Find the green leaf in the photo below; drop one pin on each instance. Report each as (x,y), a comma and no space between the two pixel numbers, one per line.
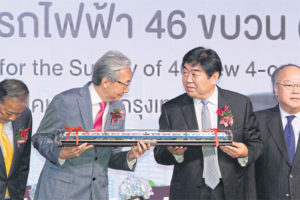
(154,184)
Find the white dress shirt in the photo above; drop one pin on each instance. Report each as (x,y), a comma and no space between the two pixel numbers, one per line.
(212,107)
(95,99)
(295,124)
(95,105)
(8,129)
(96,108)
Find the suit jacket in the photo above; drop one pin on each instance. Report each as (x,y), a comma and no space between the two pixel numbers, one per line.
(179,114)
(276,176)
(81,177)
(18,174)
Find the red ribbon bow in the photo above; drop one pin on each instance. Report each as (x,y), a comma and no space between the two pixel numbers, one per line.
(76,129)
(215,130)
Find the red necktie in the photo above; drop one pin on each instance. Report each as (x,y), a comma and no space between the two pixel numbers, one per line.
(99,117)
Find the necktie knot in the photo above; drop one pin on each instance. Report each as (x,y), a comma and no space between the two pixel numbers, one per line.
(204,102)
(102,105)
(99,117)
(290,118)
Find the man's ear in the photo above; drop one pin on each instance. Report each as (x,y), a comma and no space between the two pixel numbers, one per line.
(105,82)
(275,90)
(215,77)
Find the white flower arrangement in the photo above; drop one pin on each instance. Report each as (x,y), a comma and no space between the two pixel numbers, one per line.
(32,191)
(135,187)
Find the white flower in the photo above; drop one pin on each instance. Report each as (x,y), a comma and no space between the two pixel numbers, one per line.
(134,186)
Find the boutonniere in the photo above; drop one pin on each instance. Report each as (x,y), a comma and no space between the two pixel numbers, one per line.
(117,114)
(22,136)
(226,116)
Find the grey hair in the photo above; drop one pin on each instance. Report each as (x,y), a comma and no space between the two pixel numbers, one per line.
(13,89)
(108,65)
(274,76)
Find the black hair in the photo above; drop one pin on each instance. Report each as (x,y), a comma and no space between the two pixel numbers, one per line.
(208,59)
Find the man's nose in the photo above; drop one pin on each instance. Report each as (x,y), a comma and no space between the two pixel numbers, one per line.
(127,89)
(296,89)
(189,77)
(12,117)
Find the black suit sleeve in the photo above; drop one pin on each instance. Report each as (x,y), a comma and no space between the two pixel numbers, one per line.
(161,153)
(251,135)
(23,166)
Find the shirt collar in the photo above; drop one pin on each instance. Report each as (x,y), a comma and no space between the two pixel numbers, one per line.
(213,99)
(283,113)
(8,124)
(94,95)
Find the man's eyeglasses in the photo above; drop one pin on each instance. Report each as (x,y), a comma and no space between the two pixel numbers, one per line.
(290,86)
(123,84)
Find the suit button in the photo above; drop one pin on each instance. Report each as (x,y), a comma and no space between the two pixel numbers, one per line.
(94,179)
(287,195)
(291,175)
(96,158)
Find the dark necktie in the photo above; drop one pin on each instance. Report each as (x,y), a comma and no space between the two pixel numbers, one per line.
(289,137)
(211,166)
(99,117)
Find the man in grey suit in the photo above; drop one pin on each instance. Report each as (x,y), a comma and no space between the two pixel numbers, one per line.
(278,168)
(80,172)
(208,172)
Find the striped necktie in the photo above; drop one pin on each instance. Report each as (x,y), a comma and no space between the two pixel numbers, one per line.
(211,165)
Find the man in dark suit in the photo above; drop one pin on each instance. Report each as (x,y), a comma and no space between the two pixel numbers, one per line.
(80,172)
(15,139)
(278,168)
(194,175)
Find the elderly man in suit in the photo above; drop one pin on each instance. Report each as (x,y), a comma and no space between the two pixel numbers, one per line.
(278,168)
(208,172)
(80,172)
(15,139)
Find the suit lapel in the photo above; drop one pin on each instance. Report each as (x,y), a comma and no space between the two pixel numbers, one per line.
(85,107)
(15,125)
(108,125)
(296,159)
(188,111)
(276,129)
(221,102)
(2,166)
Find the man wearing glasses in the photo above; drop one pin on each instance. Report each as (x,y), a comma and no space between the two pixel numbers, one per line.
(80,172)
(15,139)
(207,172)
(278,168)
